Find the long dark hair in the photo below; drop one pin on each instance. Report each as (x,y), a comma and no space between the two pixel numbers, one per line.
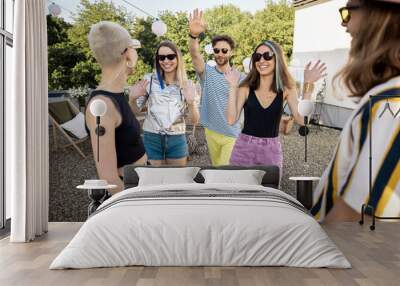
(375,51)
(282,78)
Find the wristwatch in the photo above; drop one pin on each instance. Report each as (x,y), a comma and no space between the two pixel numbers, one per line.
(201,36)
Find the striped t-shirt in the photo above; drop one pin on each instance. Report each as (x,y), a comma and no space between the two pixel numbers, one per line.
(214,102)
(347,175)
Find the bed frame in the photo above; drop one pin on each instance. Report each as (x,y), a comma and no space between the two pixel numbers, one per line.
(270,179)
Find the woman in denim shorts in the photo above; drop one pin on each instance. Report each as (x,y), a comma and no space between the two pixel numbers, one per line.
(169,95)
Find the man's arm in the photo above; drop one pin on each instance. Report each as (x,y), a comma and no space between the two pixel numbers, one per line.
(197,58)
(197,26)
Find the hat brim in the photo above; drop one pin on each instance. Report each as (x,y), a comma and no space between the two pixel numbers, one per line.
(135,44)
(391,1)
(88,187)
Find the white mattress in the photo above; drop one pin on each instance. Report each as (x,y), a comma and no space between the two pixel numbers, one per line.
(202,231)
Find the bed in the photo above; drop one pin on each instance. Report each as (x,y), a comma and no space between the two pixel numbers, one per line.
(201,224)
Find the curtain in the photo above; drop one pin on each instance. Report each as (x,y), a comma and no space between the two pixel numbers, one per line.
(27,124)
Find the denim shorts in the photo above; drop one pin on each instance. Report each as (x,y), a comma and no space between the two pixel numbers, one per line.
(162,146)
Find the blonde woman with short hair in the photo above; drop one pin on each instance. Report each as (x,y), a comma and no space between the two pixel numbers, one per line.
(121,143)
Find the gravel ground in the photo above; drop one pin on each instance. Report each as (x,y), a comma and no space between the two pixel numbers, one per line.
(68,169)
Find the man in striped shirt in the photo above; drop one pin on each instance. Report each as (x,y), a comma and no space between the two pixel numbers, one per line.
(220,135)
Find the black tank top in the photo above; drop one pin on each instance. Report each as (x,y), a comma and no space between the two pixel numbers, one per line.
(259,121)
(128,143)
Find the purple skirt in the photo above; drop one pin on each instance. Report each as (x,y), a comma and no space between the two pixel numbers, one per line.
(251,150)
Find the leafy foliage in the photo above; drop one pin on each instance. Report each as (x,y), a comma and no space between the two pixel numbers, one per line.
(71,63)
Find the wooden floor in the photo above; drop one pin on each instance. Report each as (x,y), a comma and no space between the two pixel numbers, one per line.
(375,257)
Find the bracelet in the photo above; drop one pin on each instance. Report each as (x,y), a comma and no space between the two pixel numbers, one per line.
(308,87)
(200,37)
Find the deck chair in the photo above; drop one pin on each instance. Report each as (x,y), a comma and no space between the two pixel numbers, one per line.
(61,111)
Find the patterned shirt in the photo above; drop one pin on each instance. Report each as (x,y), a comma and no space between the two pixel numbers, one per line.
(165,108)
(347,175)
(214,103)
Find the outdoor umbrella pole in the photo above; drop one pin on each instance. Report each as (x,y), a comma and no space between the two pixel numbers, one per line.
(305,139)
(98,137)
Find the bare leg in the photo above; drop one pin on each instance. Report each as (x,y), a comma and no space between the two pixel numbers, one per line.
(157,162)
(141,161)
(177,162)
(341,212)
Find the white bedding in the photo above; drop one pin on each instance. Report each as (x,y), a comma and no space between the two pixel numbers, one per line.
(183,231)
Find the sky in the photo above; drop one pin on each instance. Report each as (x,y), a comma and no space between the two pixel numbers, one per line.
(153,7)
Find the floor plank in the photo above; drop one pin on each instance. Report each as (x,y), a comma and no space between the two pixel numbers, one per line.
(374,255)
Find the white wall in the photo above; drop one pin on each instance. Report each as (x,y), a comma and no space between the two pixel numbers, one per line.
(318,34)
(318,28)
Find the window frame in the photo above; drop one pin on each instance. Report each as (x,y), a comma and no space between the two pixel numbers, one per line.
(6,39)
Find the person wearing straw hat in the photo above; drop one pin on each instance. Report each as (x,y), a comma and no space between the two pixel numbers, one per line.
(121,143)
(373,69)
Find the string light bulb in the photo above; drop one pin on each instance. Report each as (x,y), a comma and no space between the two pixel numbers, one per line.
(247,64)
(208,49)
(54,9)
(159,28)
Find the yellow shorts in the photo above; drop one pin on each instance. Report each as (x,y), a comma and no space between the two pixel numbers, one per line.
(219,147)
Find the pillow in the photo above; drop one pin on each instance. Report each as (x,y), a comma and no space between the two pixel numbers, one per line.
(248,177)
(76,126)
(166,176)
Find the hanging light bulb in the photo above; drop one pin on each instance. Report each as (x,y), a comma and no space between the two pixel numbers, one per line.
(305,107)
(209,49)
(54,9)
(159,28)
(211,63)
(247,64)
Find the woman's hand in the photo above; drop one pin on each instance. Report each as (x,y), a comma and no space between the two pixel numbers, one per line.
(138,90)
(315,73)
(232,77)
(197,24)
(189,92)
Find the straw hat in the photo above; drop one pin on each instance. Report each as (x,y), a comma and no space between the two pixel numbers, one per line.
(391,1)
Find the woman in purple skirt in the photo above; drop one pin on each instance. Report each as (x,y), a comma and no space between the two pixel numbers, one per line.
(262,94)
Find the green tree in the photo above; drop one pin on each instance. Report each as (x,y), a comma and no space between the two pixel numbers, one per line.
(221,19)
(62,58)
(276,22)
(149,41)
(71,62)
(57,30)
(92,13)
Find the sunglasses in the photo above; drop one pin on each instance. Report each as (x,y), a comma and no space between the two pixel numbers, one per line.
(267,56)
(224,51)
(162,58)
(345,13)
(124,51)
